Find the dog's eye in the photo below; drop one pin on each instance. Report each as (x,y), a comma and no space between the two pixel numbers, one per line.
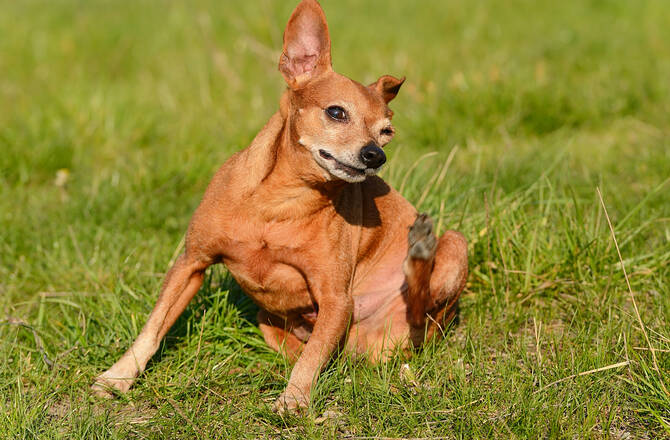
(388,131)
(336,112)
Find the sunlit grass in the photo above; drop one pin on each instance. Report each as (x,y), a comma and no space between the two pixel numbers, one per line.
(115,115)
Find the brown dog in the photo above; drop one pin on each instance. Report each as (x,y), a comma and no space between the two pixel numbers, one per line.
(331,254)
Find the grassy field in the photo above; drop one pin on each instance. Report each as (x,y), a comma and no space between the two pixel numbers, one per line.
(115,115)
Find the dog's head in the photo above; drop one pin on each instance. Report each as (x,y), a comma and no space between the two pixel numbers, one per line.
(342,123)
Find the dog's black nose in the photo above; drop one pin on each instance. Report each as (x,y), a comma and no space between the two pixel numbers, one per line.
(372,156)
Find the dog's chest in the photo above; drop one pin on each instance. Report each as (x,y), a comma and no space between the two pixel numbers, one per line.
(265,259)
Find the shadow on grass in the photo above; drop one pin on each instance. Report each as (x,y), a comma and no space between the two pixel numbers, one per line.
(219,292)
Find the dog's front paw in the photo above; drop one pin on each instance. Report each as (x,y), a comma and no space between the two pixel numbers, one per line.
(422,240)
(106,385)
(291,403)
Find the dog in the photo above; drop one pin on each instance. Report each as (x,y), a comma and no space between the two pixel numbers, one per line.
(333,257)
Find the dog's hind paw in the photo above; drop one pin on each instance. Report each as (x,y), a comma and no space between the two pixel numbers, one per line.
(422,240)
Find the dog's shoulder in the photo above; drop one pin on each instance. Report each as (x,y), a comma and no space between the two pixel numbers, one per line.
(247,168)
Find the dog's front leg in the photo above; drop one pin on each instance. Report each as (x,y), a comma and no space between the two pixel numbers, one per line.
(181,284)
(331,325)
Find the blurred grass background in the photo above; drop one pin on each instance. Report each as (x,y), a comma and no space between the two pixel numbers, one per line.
(115,115)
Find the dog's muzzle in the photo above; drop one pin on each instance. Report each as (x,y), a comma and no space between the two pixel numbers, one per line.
(372,156)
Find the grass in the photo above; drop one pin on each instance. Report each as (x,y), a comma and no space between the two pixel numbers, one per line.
(114,116)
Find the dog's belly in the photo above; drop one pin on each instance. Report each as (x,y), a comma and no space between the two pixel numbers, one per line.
(377,291)
(380,310)
(380,314)
(378,281)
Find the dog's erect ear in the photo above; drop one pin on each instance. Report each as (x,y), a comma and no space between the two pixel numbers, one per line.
(387,86)
(306,52)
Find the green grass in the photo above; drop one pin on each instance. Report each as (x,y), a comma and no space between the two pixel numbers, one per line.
(538,103)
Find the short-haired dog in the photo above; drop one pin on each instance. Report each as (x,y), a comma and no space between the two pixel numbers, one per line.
(331,254)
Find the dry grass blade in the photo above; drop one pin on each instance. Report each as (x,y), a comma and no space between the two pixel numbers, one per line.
(630,290)
(64,294)
(177,251)
(583,373)
(401,189)
(197,352)
(437,178)
(38,341)
(660,350)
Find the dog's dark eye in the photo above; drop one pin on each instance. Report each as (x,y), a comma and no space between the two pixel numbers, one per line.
(388,131)
(336,112)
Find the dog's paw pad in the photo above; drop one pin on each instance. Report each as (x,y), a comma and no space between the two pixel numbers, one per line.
(422,240)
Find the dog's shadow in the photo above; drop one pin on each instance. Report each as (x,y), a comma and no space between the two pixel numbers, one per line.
(218,286)
(364,194)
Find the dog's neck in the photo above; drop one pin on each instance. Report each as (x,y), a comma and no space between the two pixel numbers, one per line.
(293,184)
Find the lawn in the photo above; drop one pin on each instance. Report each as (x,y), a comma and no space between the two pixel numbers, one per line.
(115,115)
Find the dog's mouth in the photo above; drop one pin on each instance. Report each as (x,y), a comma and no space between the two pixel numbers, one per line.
(348,169)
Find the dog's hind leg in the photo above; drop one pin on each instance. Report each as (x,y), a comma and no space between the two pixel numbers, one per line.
(181,284)
(418,267)
(450,271)
(436,271)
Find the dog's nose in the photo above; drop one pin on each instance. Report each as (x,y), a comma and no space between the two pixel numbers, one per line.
(372,156)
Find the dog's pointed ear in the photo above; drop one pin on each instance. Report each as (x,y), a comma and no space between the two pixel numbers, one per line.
(306,52)
(387,86)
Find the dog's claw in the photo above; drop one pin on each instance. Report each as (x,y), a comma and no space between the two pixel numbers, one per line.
(289,403)
(422,240)
(101,390)
(106,387)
